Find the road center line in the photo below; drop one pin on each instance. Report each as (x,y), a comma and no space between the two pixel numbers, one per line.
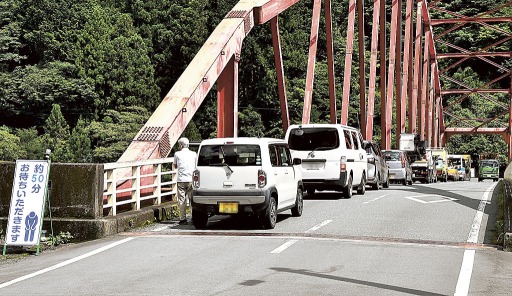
(375,199)
(316,227)
(466,269)
(67,262)
(284,246)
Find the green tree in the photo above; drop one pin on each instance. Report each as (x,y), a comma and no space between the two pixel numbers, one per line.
(56,135)
(111,136)
(113,57)
(9,36)
(29,92)
(33,145)
(80,143)
(10,148)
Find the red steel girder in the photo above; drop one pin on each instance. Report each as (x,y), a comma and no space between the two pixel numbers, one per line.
(166,124)
(418,53)
(474,54)
(408,58)
(474,90)
(470,20)
(348,62)
(482,130)
(310,75)
(227,100)
(394,65)
(373,69)
(281,83)
(469,88)
(362,75)
(330,61)
(431,5)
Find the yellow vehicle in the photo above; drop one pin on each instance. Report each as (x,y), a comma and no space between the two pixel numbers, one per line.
(459,167)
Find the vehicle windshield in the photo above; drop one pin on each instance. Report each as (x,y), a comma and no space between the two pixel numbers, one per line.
(392,156)
(488,163)
(309,139)
(454,162)
(232,155)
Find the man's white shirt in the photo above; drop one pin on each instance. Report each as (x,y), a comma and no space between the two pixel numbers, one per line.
(185,161)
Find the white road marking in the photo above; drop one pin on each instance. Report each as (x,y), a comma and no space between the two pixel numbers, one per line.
(316,227)
(466,269)
(375,199)
(284,246)
(292,241)
(444,198)
(67,262)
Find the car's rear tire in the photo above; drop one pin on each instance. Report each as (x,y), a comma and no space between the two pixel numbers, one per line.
(199,219)
(362,186)
(269,217)
(405,181)
(299,204)
(386,184)
(347,191)
(376,185)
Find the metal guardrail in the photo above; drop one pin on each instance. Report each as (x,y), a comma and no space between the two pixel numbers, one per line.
(507,206)
(130,183)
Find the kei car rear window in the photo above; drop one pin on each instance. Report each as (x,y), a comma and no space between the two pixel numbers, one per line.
(392,156)
(230,154)
(308,139)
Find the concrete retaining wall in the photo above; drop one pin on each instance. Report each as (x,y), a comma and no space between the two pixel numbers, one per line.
(76,199)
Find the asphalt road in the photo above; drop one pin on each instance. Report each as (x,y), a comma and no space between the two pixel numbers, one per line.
(424,239)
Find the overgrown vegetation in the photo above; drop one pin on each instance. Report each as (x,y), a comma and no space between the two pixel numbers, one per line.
(84,78)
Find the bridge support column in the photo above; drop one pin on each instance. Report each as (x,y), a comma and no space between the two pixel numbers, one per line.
(281,84)
(227,99)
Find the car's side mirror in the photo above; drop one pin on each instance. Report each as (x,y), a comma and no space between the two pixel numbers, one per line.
(297,161)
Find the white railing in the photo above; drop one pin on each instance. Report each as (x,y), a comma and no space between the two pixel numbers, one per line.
(133,182)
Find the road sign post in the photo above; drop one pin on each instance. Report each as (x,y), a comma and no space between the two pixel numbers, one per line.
(28,199)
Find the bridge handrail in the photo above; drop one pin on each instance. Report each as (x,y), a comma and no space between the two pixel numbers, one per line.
(134,181)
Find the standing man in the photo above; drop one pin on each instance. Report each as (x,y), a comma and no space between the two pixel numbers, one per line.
(184,162)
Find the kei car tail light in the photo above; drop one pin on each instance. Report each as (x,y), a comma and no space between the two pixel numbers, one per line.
(343,164)
(195,179)
(403,161)
(262,178)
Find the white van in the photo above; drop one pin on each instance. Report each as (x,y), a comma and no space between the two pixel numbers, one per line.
(333,157)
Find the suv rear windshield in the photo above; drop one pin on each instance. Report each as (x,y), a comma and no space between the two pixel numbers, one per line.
(232,155)
(307,139)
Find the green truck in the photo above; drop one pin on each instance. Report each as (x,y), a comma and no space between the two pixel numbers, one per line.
(488,169)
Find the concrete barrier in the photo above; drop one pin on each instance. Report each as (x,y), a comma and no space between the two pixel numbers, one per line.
(76,200)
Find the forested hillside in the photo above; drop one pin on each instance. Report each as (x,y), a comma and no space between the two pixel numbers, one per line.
(82,77)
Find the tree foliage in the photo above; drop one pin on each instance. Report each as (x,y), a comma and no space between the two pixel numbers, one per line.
(82,77)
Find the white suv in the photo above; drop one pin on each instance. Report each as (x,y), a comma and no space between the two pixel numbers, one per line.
(245,175)
(333,157)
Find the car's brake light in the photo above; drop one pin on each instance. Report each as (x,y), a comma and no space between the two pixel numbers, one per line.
(403,161)
(343,164)
(262,178)
(195,179)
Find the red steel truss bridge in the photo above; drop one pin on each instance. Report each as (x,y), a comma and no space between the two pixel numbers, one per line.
(417,79)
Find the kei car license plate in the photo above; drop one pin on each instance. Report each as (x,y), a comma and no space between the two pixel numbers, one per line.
(228,207)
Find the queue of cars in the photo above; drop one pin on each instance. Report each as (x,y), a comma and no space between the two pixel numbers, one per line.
(265,176)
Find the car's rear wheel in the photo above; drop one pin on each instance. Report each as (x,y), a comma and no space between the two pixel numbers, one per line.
(269,217)
(199,219)
(405,181)
(299,204)
(376,185)
(386,183)
(347,191)
(362,186)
